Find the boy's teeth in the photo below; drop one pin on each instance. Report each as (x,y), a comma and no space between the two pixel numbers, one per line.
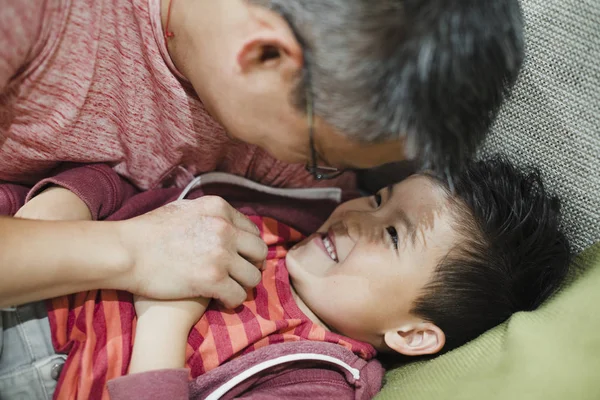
(330,248)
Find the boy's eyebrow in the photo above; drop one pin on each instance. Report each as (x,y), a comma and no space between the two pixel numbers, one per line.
(408,224)
(390,190)
(410,227)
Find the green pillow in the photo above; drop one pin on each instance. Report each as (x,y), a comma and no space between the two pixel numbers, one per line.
(551,353)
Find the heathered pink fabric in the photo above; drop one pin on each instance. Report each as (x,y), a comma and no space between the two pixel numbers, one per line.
(91,81)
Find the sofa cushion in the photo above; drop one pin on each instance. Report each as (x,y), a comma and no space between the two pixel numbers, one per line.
(551,353)
(553,118)
(552,121)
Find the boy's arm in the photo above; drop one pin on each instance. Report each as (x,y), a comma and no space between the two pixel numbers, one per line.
(86,192)
(55,204)
(156,370)
(162,332)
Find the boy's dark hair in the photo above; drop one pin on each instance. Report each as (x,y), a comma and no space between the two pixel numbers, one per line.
(432,71)
(512,256)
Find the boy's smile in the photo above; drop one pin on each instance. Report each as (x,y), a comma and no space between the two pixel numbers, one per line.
(326,242)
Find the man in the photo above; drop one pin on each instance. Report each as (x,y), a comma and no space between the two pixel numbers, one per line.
(164,90)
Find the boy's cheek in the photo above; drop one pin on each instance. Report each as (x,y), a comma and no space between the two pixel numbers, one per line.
(348,313)
(360,204)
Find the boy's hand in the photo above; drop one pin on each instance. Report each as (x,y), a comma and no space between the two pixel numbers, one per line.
(55,204)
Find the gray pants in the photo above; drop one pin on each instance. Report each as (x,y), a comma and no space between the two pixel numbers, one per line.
(29,367)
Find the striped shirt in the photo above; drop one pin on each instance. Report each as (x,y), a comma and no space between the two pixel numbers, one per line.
(97,328)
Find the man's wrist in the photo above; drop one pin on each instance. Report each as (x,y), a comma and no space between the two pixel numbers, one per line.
(124,276)
(68,257)
(102,251)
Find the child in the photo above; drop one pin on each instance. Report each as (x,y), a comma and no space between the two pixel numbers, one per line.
(414,270)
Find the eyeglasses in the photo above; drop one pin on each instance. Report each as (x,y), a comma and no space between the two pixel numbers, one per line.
(320,173)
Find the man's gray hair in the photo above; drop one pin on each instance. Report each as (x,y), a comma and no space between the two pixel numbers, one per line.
(434,72)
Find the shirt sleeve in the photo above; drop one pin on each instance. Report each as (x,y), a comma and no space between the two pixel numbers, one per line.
(20,24)
(169,384)
(97,185)
(12,198)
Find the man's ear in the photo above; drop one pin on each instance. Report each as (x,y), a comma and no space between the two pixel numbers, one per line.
(271,43)
(416,339)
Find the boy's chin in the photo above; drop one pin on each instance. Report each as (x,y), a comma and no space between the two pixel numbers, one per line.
(300,267)
(309,261)
(302,252)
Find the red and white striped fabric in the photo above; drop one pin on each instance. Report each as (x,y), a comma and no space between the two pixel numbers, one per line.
(97,328)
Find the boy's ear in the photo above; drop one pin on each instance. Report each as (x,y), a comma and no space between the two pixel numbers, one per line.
(271,43)
(416,339)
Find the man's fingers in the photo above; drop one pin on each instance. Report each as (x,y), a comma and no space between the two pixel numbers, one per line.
(242,222)
(244,273)
(251,247)
(230,293)
(218,207)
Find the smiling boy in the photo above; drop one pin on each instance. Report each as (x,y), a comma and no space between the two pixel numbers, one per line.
(372,260)
(414,270)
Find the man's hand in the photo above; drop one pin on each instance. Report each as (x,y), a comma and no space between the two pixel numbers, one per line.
(193,248)
(55,204)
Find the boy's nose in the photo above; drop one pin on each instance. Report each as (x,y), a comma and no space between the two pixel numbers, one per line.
(360,225)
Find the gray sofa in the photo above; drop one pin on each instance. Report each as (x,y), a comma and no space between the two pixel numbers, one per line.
(553,119)
(553,122)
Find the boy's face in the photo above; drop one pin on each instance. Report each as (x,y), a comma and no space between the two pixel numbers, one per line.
(363,270)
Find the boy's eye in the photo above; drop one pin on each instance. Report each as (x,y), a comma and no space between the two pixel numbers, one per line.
(394,235)
(378,199)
